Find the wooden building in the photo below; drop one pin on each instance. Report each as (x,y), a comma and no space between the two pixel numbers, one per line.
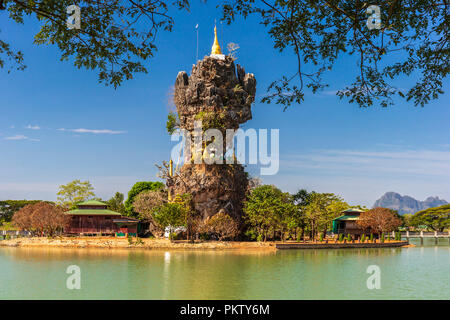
(346,223)
(93,218)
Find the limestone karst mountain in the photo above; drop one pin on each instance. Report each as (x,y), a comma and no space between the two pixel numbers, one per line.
(407,204)
(220,95)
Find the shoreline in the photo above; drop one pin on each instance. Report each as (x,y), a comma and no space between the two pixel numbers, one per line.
(122,243)
(164,244)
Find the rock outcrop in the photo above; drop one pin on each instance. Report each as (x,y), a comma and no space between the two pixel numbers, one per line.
(220,95)
(214,90)
(407,204)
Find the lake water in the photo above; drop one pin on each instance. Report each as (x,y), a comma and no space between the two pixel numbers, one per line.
(422,272)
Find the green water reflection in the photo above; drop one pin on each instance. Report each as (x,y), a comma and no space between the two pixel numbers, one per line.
(421,272)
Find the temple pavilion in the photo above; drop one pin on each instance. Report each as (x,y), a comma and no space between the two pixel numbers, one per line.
(346,223)
(93,218)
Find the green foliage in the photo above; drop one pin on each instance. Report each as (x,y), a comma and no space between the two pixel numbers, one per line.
(319,32)
(268,208)
(320,209)
(321,237)
(173,236)
(406,219)
(302,197)
(116,203)
(371,237)
(115,36)
(172,122)
(363,238)
(251,234)
(349,237)
(341,237)
(170,215)
(130,240)
(6,226)
(15,57)
(74,192)
(238,88)
(137,189)
(211,120)
(437,219)
(382,237)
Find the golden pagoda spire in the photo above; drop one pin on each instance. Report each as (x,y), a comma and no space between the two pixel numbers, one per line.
(216,47)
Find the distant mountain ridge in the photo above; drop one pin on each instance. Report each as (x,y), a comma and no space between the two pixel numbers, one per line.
(407,204)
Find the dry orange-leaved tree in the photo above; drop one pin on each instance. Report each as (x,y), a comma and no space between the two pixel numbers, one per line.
(379,220)
(42,219)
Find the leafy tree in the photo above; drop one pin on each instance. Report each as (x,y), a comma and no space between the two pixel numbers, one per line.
(116,203)
(73,192)
(137,189)
(407,217)
(172,123)
(301,200)
(9,207)
(192,217)
(41,218)
(171,215)
(320,210)
(379,220)
(413,37)
(302,197)
(116,37)
(268,208)
(289,218)
(437,218)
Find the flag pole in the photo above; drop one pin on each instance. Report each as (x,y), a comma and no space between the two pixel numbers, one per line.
(196,28)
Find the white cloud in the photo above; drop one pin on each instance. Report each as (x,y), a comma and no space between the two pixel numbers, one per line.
(20,137)
(35,127)
(94,131)
(413,162)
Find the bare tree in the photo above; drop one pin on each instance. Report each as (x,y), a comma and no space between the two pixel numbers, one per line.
(232,50)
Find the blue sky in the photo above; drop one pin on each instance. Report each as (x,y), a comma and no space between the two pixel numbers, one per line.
(326,144)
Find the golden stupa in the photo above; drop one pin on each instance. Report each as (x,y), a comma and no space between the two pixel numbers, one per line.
(216,47)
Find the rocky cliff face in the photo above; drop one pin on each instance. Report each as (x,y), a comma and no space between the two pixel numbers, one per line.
(407,204)
(220,95)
